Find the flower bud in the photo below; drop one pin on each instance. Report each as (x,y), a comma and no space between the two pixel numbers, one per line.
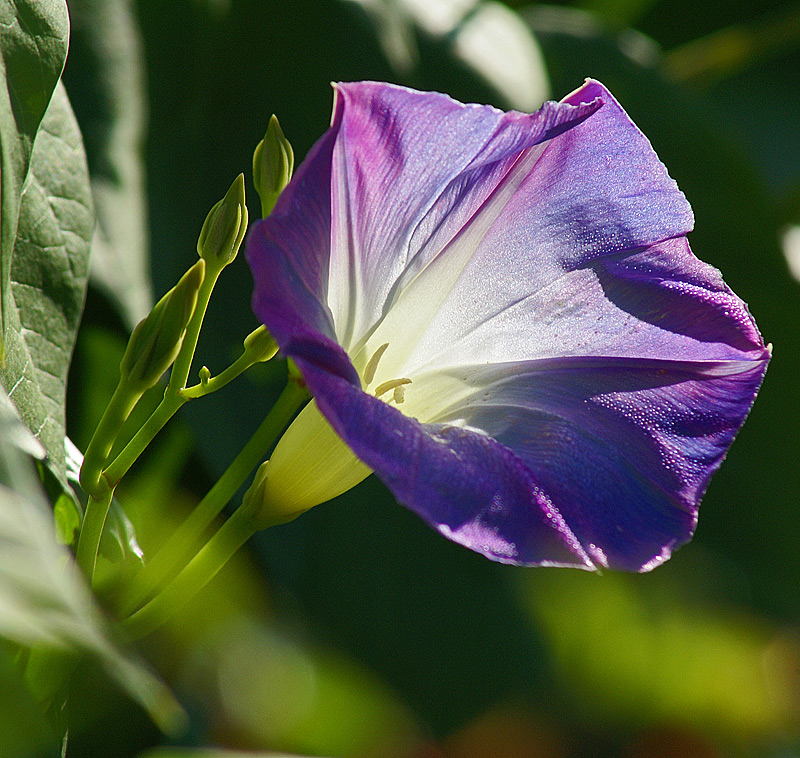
(157,338)
(273,163)
(310,465)
(224,227)
(260,345)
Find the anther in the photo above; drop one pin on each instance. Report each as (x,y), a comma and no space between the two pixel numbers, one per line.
(372,364)
(392,384)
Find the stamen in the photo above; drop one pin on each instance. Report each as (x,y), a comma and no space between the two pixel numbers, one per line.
(372,364)
(399,394)
(390,385)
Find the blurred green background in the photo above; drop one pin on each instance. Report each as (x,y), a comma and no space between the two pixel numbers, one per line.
(356,631)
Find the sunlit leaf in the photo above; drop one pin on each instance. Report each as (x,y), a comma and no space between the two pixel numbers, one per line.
(281,692)
(48,278)
(33,48)
(791,250)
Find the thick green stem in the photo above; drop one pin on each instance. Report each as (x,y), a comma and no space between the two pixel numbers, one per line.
(200,570)
(115,415)
(186,538)
(94,520)
(131,452)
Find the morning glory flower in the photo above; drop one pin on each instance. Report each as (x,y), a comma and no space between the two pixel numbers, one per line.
(499,314)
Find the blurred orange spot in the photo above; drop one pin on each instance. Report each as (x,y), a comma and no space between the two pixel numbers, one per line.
(506,731)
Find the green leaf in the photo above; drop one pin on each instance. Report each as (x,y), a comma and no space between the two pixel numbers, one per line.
(48,278)
(33,47)
(105,82)
(17,434)
(649,650)
(44,601)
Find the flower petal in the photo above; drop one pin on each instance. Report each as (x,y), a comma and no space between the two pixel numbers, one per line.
(471,488)
(596,190)
(656,302)
(288,254)
(623,448)
(571,374)
(377,198)
(402,163)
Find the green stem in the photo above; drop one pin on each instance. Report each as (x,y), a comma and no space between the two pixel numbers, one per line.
(239,366)
(200,570)
(94,520)
(175,395)
(186,537)
(115,415)
(131,452)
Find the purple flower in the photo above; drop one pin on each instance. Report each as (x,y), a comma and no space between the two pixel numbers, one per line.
(500,315)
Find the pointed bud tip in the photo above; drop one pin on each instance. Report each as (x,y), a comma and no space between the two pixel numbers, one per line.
(224,227)
(273,164)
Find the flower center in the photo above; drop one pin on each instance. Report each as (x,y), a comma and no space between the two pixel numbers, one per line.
(397,386)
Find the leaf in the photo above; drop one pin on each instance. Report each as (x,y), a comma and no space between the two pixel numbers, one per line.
(48,278)
(44,601)
(654,652)
(105,80)
(15,430)
(33,48)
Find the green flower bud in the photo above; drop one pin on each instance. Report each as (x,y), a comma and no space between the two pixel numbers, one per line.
(260,345)
(157,338)
(224,227)
(273,163)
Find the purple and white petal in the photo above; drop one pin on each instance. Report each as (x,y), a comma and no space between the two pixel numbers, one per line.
(408,170)
(465,484)
(622,448)
(596,190)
